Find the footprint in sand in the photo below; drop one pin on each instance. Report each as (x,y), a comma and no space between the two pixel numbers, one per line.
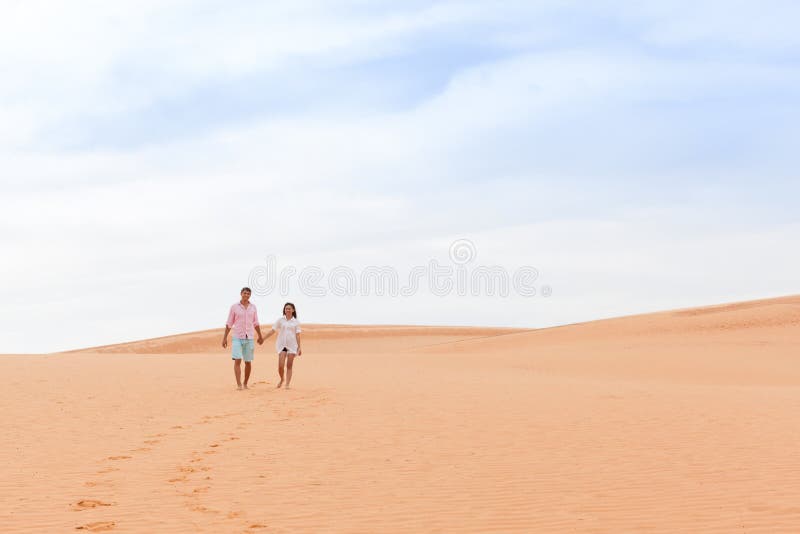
(152,441)
(204,509)
(99,526)
(257,525)
(118,458)
(107,470)
(88,503)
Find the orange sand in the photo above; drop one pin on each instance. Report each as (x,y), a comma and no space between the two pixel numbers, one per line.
(676,421)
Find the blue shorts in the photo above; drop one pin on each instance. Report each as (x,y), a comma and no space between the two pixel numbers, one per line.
(243,349)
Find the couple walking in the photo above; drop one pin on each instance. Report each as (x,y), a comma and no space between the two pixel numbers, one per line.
(243,320)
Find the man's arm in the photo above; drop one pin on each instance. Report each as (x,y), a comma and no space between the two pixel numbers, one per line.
(228,324)
(260,337)
(225,337)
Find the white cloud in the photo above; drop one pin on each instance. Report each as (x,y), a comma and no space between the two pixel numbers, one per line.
(755,28)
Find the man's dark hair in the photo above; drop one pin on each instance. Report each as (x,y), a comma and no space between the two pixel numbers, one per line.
(245,289)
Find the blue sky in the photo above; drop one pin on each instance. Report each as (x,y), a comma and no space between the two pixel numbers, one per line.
(641,157)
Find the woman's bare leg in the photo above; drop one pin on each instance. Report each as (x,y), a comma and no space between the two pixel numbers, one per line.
(281,359)
(289,364)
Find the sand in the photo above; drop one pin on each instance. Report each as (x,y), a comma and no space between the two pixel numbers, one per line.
(676,421)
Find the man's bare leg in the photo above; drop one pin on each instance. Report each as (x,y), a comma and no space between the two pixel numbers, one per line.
(281,359)
(247,367)
(237,371)
(289,364)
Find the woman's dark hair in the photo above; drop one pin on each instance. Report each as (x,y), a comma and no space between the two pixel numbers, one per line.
(294,310)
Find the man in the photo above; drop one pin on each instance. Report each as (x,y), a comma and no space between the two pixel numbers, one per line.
(243,319)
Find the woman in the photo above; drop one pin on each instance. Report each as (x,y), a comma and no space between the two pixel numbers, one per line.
(288,342)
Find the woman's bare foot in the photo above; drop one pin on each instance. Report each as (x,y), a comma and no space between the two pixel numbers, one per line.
(288,387)
(239,386)
(245,387)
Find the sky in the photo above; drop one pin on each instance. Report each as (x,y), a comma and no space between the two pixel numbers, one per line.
(156,156)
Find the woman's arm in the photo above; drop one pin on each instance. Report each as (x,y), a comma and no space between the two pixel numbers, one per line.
(299,349)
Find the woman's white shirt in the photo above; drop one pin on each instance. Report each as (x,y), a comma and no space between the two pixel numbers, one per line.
(287,331)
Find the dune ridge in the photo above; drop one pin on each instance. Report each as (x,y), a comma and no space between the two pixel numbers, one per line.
(774,312)
(317,337)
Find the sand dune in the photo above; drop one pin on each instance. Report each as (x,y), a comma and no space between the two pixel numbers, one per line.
(317,338)
(676,421)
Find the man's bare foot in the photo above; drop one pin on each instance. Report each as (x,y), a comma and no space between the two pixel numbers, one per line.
(287,387)
(239,386)
(279,384)
(245,387)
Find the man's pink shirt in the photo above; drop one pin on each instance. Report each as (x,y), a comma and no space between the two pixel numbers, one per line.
(243,320)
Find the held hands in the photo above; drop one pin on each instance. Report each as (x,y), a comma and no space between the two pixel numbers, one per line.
(260,340)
